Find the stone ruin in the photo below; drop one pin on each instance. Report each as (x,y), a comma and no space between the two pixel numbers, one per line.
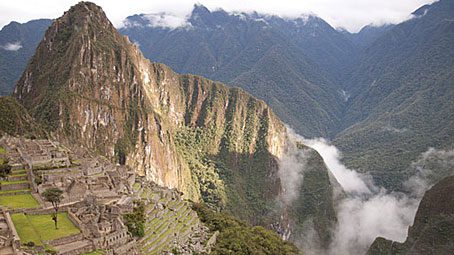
(96,195)
(102,223)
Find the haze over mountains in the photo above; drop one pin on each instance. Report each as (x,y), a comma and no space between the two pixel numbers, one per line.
(383,96)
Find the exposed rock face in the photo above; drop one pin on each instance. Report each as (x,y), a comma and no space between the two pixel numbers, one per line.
(433,229)
(91,87)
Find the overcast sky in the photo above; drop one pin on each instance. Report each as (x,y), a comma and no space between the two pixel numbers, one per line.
(349,14)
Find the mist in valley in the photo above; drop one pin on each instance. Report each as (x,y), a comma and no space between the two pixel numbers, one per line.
(364,210)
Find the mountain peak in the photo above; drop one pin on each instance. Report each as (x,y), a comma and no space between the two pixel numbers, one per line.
(84,13)
(200,9)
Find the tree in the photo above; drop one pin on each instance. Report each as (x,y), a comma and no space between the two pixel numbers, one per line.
(5,168)
(54,195)
(135,221)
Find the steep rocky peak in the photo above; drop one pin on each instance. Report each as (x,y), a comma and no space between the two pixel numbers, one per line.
(202,17)
(200,9)
(84,18)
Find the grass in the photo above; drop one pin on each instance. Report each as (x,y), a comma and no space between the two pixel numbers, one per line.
(46,229)
(17,174)
(12,182)
(21,201)
(39,228)
(19,171)
(3,192)
(25,230)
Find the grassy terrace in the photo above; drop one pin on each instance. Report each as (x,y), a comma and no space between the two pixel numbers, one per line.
(5,192)
(21,201)
(19,171)
(17,174)
(12,182)
(160,231)
(39,228)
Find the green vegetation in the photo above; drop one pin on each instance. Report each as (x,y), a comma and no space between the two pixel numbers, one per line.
(12,182)
(25,229)
(39,228)
(5,168)
(193,144)
(19,171)
(54,195)
(21,201)
(135,221)
(3,192)
(315,203)
(15,120)
(237,237)
(2,150)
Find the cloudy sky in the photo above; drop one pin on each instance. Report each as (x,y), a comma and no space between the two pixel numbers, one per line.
(349,14)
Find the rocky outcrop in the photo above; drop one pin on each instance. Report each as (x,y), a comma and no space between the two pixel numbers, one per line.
(91,87)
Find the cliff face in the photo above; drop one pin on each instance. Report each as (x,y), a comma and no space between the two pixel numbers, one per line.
(433,229)
(91,87)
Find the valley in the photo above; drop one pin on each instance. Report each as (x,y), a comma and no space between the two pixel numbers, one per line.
(302,138)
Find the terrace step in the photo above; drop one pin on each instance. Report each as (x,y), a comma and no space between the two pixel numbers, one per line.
(18,171)
(14,185)
(71,248)
(14,192)
(17,177)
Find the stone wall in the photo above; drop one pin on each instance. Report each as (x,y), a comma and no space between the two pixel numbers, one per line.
(125,248)
(17,186)
(67,239)
(80,250)
(16,239)
(16,193)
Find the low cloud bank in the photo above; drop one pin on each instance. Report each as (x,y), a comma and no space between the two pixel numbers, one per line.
(368,211)
(432,166)
(12,46)
(291,168)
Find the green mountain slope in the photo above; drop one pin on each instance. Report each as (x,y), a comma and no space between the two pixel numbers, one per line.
(15,120)
(269,57)
(402,94)
(89,86)
(17,45)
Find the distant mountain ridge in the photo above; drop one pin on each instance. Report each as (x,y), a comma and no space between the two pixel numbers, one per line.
(17,45)
(268,56)
(356,89)
(402,90)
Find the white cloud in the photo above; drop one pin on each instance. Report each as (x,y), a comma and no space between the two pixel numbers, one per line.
(12,46)
(291,168)
(350,14)
(350,180)
(431,166)
(368,211)
(166,20)
(361,220)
